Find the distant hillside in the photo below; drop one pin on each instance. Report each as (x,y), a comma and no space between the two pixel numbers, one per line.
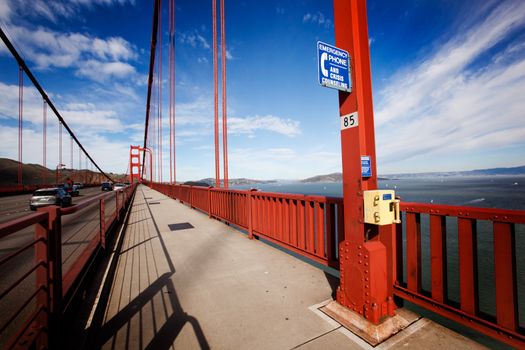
(33,174)
(519,170)
(334,177)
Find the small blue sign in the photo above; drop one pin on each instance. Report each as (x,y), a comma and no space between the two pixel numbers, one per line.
(366,167)
(334,67)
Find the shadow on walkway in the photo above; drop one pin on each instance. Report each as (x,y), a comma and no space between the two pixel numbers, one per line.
(104,334)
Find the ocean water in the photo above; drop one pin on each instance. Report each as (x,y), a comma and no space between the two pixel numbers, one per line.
(502,192)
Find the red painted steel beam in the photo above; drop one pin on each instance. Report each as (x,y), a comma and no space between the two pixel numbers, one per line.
(159,83)
(215,94)
(172,91)
(499,215)
(505,274)
(365,271)
(438,257)
(224,114)
(20,121)
(44,143)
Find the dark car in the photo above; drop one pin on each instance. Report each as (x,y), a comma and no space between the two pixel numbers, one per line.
(106,186)
(49,196)
(72,190)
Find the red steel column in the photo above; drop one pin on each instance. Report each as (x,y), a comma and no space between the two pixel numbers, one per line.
(215,94)
(159,107)
(44,142)
(20,121)
(364,287)
(172,91)
(224,119)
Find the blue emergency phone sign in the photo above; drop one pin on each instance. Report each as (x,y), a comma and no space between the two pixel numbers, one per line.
(334,67)
(366,166)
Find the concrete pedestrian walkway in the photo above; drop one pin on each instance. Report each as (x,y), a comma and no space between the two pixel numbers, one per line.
(206,285)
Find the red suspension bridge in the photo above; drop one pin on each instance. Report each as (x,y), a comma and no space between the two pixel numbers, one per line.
(376,250)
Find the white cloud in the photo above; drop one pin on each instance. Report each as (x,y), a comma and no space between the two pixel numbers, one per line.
(51,10)
(194,39)
(101,71)
(317,18)
(86,116)
(5,10)
(282,163)
(444,105)
(249,125)
(91,57)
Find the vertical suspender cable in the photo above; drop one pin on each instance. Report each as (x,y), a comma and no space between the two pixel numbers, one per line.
(224,116)
(59,166)
(44,143)
(159,81)
(71,153)
(215,94)
(20,121)
(59,145)
(147,132)
(173,176)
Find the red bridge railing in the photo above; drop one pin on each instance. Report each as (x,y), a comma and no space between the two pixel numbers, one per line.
(313,227)
(504,325)
(55,285)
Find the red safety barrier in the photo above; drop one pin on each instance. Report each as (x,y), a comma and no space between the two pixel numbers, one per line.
(54,287)
(505,326)
(308,225)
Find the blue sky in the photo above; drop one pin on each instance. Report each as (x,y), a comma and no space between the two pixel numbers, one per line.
(448,84)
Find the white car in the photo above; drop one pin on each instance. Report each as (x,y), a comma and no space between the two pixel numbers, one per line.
(118,186)
(49,196)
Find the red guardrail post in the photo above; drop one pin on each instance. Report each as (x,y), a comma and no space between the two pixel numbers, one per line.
(43,282)
(102,223)
(250,213)
(53,280)
(117,209)
(209,201)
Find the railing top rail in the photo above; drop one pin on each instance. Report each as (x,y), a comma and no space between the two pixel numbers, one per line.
(18,224)
(315,198)
(500,215)
(88,202)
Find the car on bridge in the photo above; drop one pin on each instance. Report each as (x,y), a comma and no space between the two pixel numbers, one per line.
(72,190)
(79,185)
(49,196)
(118,186)
(106,186)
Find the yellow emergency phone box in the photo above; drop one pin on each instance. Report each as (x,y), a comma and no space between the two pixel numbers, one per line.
(381,207)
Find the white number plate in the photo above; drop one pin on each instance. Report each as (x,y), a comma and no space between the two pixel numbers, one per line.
(349,121)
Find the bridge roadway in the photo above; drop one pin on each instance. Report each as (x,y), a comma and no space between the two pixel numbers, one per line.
(207,285)
(77,231)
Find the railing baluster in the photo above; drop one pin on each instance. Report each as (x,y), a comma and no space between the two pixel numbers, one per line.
(293,223)
(301,228)
(319,229)
(438,257)
(310,239)
(505,273)
(468,273)
(413,235)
